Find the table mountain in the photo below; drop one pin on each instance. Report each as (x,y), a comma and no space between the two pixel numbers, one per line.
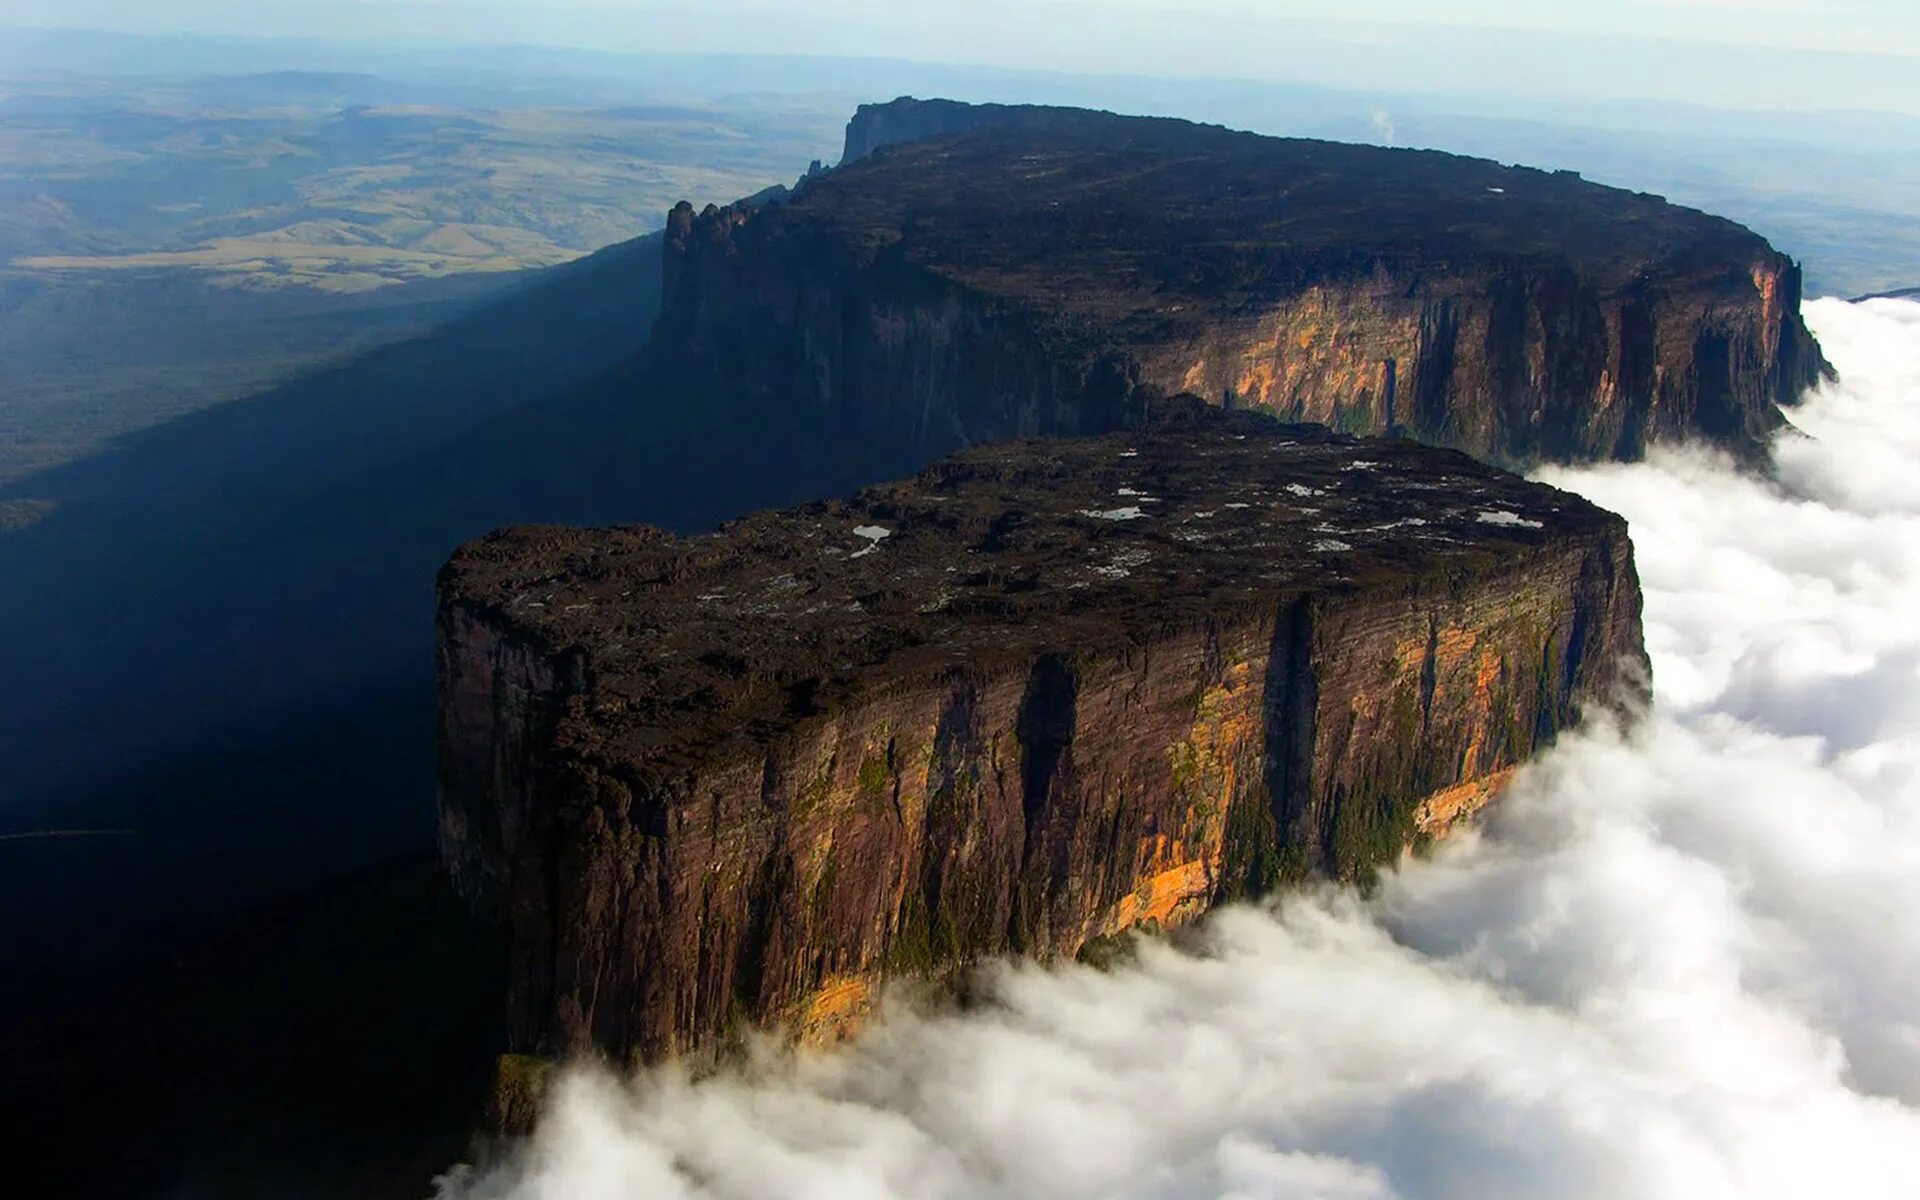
(1039,695)
(978,272)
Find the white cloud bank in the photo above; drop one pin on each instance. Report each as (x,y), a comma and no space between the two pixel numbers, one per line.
(1684,964)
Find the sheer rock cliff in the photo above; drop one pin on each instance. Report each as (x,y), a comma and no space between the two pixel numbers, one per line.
(980,272)
(1042,694)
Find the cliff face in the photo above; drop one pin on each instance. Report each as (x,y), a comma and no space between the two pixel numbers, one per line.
(876,126)
(1024,270)
(1042,694)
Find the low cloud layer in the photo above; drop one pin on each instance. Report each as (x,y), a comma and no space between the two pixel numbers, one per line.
(1683,962)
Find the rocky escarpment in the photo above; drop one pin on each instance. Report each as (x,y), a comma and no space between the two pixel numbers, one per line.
(877,126)
(1023,271)
(1044,693)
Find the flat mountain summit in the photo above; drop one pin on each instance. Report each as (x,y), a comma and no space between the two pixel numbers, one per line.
(1043,693)
(1145,204)
(1517,314)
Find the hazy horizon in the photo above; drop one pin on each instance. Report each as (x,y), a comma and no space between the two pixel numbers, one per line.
(1777,58)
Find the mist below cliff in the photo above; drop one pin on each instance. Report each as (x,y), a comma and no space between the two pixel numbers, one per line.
(1682,962)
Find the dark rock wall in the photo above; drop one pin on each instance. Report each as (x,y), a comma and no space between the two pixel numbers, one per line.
(1012,806)
(1514,357)
(1518,366)
(864,360)
(869,352)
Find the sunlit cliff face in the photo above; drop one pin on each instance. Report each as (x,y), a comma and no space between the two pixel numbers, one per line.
(1683,962)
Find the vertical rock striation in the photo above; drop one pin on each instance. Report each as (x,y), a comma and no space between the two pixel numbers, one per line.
(1045,693)
(1017,271)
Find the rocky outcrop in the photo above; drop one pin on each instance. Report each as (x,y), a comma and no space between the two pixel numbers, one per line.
(1044,693)
(877,126)
(1020,271)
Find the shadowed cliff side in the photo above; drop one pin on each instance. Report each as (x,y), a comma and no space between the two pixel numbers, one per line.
(1018,270)
(219,643)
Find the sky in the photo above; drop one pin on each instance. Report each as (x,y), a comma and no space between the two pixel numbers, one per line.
(1678,963)
(1248,38)
(983,32)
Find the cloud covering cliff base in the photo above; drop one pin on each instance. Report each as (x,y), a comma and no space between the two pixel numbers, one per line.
(1680,962)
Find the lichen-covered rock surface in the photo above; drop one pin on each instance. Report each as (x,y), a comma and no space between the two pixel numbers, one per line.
(974,273)
(1046,692)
